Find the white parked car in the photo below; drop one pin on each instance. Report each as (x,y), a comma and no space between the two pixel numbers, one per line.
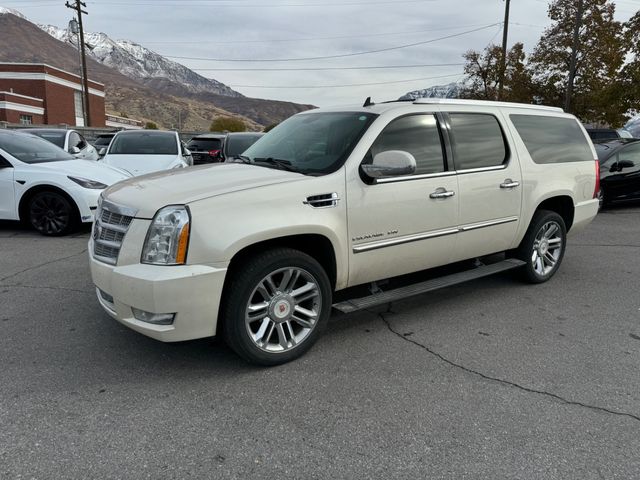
(46,187)
(338,198)
(70,141)
(146,151)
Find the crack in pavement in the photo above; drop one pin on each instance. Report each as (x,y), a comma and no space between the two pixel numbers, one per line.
(499,380)
(603,245)
(41,265)
(37,287)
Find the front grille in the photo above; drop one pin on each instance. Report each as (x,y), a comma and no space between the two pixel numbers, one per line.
(109,231)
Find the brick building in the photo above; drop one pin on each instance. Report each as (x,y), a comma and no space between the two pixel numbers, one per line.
(37,93)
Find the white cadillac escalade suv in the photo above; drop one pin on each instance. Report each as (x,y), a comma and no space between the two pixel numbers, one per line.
(258,250)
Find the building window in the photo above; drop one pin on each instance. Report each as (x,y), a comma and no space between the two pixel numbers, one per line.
(26,119)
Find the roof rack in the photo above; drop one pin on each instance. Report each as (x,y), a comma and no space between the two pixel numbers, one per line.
(456,101)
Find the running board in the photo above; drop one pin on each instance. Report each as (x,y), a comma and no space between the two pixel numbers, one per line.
(381,298)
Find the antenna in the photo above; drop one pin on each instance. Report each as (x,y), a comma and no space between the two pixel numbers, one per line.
(368,102)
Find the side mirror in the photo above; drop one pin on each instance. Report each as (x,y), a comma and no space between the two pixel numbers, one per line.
(625,164)
(74,150)
(393,163)
(102,152)
(186,153)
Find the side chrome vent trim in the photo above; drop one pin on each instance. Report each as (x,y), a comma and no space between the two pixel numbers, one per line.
(325,200)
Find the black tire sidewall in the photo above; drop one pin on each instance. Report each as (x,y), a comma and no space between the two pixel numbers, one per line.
(240,287)
(525,249)
(70,211)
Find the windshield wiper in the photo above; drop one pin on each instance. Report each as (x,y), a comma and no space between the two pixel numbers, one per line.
(278,163)
(242,158)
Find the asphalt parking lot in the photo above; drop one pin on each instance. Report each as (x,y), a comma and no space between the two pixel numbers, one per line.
(492,379)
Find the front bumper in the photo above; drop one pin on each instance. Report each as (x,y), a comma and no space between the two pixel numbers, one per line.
(193,292)
(87,200)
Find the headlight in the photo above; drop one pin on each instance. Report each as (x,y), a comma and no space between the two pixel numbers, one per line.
(86,183)
(168,237)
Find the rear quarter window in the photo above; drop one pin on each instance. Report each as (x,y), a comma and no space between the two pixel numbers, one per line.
(552,139)
(477,141)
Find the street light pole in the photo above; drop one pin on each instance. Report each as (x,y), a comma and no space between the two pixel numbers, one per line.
(505,37)
(85,82)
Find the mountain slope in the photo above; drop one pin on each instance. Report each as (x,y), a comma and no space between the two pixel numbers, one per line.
(450,90)
(138,62)
(167,102)
(22,41)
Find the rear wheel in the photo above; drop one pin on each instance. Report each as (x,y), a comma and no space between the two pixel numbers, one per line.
(543,246)
(52,214)
(277,304)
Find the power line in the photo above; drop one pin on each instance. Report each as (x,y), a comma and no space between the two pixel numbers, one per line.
(346,85)
(311,39)
(323,68)
(261,5)
(344,55)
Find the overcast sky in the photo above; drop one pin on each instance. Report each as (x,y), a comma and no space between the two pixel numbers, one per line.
(294,29)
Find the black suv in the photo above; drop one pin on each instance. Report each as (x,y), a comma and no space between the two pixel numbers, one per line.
(206,148)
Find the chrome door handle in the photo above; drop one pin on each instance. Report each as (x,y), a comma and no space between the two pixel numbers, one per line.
(442,194)
(508,183)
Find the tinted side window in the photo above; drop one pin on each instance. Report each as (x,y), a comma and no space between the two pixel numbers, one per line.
(552,139)
(477,141)
(630,154)
(417,134)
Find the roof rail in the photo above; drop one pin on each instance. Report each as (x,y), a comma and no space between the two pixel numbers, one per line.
(457,101)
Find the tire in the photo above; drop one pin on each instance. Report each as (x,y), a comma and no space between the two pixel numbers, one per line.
(542,259)
(264,320)
(52,214)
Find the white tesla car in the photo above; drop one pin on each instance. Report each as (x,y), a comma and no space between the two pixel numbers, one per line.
(46,187)
(146,151)
(70,141)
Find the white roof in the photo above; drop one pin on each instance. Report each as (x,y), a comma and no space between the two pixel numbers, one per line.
(484,103)
(380,108)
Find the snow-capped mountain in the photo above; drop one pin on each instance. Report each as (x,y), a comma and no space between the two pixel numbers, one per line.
(5,10)
(450,90)
(138,62)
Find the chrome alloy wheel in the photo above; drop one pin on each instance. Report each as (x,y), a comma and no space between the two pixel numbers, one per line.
(283,309)
(547,248)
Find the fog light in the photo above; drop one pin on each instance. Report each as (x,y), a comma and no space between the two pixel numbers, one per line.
(155,318)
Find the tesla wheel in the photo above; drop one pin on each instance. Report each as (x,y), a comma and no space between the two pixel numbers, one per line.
(277,305)
(51,214)
(543,246)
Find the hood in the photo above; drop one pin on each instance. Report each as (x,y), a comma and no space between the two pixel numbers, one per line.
(177,187)
(141,164)
(83,168)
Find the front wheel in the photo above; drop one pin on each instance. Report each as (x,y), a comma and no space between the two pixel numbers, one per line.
(52,214)
(543,246)
(276,307)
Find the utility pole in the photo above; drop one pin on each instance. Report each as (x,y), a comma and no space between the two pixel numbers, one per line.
(505,37)
(574,56)
(85,82)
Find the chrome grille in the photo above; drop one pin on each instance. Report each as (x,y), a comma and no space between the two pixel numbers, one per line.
(109,230)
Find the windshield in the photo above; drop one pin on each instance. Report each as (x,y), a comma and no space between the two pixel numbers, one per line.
(204,144)
(103,141)
(32,149)
(313,143)
(57,138)
(237,144)
(144,143)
